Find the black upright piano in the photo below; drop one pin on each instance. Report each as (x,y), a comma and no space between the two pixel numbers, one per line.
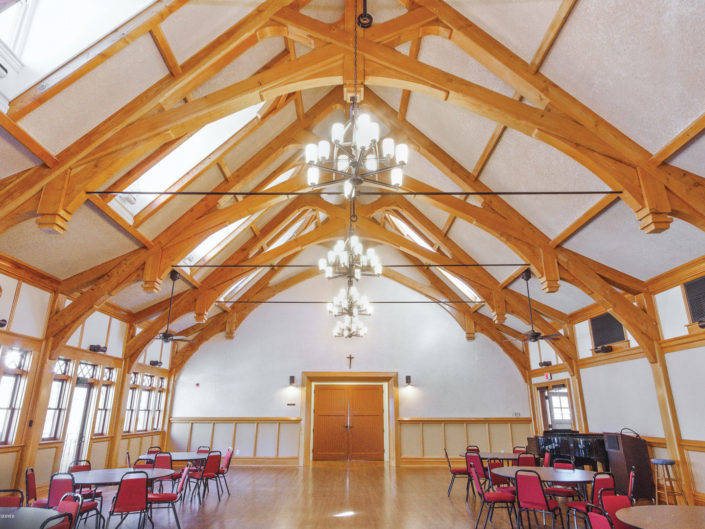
(581,448)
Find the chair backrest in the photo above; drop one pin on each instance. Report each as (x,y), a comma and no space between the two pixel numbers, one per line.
(144,463)
(526,460)
(131,494)
(476,480)
(611,501)
(547,459)
(597,518)
(496,480)
(11,498)
(182,480)
(519,449)
(162,460)
(61,483)
(565,464)
(472,448)
(153,450)
(70,503)
(530,492)
(203,449)
(128,463)
(229,455)
(212,463)
(58,521)
(80,465)
(30,485)
(601,480)
(473,459)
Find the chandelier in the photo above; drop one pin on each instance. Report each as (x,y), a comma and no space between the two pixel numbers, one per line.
(355,155)
(348,259)
(349,302)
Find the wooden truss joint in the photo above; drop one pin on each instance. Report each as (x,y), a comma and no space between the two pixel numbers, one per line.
(655,216)
(53,215)
(551,276)
(499,307)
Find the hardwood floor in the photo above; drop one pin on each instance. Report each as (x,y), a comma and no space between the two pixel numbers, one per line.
(331,495)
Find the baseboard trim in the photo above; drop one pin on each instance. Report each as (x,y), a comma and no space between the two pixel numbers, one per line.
(427,462)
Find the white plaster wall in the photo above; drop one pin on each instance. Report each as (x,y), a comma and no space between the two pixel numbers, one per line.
(685,369)
(672,312)
(621,395)
(451,377)
(583,339)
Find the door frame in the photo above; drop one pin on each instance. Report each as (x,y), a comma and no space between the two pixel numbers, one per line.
(390,379)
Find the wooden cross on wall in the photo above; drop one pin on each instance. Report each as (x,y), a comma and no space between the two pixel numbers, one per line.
(350,359)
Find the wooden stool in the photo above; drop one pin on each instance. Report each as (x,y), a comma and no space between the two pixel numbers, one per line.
(663,477)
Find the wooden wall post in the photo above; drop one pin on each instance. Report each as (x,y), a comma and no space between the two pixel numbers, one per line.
(122,385)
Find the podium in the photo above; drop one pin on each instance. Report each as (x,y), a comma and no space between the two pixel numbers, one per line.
(624,453)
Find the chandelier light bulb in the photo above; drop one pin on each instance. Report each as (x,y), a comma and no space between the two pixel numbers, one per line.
(347,189)
(311,153)
(402,153)
(322,264)
(339,246)
(374,132)
(343,162)
(312,175)
(371,162)
(329,272)
(323,150)
(387,147)
(397,176)
(358,274)
(337,132)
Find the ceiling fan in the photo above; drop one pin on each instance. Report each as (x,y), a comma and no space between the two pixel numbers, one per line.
(167,336)
(533,335)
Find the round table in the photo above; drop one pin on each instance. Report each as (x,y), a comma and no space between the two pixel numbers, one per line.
(112,476)
(181,456)
(502,456)
(663,516)
(16,517)
(554,475)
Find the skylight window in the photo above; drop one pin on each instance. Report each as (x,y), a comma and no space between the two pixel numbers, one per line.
(46,34)
(405,230)
(468,292)
(212,241)
(182,159)
(287,234)
(235,289)
(282,177)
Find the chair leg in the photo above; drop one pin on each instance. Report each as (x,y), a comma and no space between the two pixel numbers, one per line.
(479,514)
(452,480)
(224,476)
(176,517)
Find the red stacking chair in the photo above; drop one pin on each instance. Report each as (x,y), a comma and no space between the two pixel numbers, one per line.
(531,497)
(209,472)
(70,504)
(567,491)
(30,487)
(505,500)
(153,450)
(611,501)
(472,459)
(62,483)
(455,472)
(601,480)
(597,518)
(60,521)
(143,463)
(166,500)
(128,464)
(89,493)
(131,498)
(198,465)
(547,459)
(526,460)
(472,448)
(498,483)
(223,470)
(519,450)
(11,498)
(163,460)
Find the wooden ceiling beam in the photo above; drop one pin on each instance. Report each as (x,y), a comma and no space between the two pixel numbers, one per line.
(682,139)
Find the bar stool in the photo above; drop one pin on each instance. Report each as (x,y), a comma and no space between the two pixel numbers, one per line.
(664,478)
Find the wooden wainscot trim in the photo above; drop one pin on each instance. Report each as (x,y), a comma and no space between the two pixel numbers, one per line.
(426,461)
(555,369)
(131,435)
(4,449)
(264,461)
(151,370)
(232,419)
(464,420)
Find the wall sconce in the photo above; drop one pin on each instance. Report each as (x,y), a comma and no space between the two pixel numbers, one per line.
(408,380)
(292,380)
(3,323)
(97,348)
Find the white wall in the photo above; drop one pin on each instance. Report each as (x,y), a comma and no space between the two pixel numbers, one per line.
(451,377)
(621,395)
(672,312)
(686,369)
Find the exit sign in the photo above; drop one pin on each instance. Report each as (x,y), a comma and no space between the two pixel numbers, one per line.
(547,376)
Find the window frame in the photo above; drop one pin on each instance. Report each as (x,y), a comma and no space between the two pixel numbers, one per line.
(60,411)
(8,430)
(103,411)
(144,412)
(129,423)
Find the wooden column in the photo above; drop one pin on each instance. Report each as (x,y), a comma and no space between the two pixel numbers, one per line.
(576,383)
(122,385)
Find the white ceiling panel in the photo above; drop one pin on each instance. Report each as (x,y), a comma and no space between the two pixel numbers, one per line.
(91,239)
(567,299)
(691,157)
(15,156)
(134,298)
(635,64)
(614,238)
(391,96)
(521,163)
(325,10)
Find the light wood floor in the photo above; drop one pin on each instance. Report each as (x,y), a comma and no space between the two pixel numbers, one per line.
(310,498)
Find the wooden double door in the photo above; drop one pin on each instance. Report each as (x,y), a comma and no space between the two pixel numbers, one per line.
(348,422)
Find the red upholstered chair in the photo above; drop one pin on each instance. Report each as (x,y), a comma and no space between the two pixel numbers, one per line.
(153,450)
(30,488)
(578,509)
(472,448)
(143,463)
(567,491)
(198,465)
(163,460)
(472,459)
(209,472)
(11,498)
(88,493)
(70,503)
(519,450)
(62,483)
(167,500)
(498,483)
(223,470)
(131,498)
(611,501)
(547,459)
(60,521)
(526,460)
(531,497)
(504,499)
(597,518)
(455,472)
(128,463)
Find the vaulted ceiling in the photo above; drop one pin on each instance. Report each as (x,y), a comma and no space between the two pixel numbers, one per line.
(527,95)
